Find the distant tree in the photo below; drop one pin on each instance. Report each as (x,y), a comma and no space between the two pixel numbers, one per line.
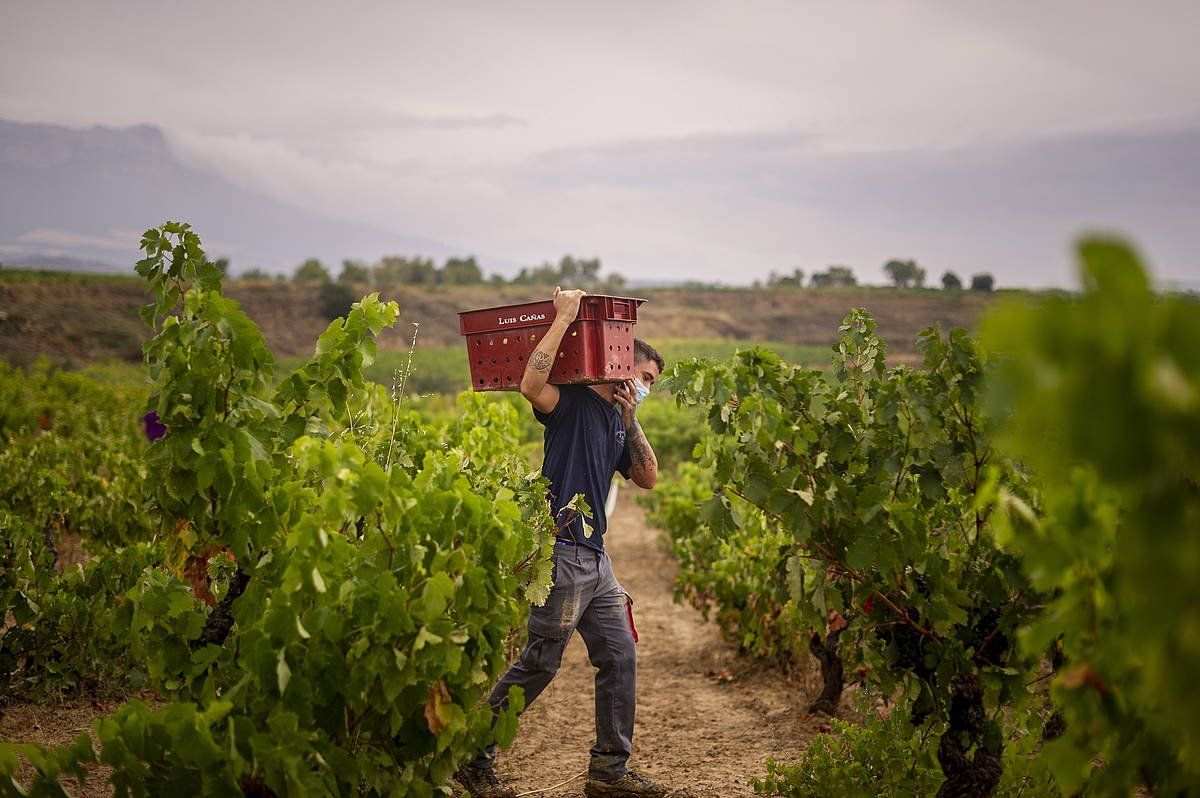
(254,273)
(982,282)
(497,280)
(589,269)
(421,271)
(546,274)
(842,275)
(570,271)
(393,271)
(614,281)
(462,271)
(905,273)
(311,271)
(951,282)
(222,265)
(793,280)
(834,276)
(354,272)
(335,299)
(387,273)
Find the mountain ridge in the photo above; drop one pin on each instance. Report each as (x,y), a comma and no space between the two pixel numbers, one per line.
(85,194)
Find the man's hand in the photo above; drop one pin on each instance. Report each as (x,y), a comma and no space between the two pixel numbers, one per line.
(535,384)
(644,465)
(566,303)
(625,396)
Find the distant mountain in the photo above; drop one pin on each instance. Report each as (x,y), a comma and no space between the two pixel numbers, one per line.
(61,263)
(81,198)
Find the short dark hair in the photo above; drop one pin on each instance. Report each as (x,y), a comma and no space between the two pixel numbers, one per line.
(643,351)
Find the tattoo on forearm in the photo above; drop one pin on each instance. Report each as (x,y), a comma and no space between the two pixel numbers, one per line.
(639,450)
(541,361)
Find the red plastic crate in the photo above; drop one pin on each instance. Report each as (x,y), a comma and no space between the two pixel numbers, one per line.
(597,347)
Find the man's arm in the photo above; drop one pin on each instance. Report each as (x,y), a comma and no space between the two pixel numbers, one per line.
(534,386)
(643,469)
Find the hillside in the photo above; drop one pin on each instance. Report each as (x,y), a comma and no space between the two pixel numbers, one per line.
(79,319)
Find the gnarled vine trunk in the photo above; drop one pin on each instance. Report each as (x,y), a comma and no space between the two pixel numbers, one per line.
(969,776)
(220,621)
(833,677)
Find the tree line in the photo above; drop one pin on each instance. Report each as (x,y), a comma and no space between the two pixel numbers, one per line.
(902,273)
(396,271)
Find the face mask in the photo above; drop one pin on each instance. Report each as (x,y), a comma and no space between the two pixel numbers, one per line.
(640,391)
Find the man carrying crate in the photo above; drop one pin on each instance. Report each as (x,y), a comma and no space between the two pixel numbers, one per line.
(591,431)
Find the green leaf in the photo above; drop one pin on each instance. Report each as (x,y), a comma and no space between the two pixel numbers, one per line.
(282,672)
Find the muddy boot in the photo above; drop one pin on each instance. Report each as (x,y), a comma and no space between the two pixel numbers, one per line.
(482,783)
(631,785)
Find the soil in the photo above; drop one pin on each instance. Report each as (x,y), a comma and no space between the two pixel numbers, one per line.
(707,717)
(59,724)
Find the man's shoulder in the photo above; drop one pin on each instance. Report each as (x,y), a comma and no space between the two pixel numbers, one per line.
(567,399)
(575,394)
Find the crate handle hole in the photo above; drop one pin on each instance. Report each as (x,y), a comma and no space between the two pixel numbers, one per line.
(505,341)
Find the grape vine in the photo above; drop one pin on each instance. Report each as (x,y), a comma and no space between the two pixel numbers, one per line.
(317,623)
(967,535)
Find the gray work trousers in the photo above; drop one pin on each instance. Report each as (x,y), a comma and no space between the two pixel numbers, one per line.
(586,596)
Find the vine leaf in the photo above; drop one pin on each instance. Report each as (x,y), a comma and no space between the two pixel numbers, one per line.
(1083,675)
(437,708)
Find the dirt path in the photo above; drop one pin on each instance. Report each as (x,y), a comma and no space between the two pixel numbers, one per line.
(701,733)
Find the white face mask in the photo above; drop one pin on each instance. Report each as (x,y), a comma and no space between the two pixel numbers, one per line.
(640,391)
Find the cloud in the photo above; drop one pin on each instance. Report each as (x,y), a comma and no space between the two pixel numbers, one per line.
(733,206)
(452,122)
(53,237)
(675,140)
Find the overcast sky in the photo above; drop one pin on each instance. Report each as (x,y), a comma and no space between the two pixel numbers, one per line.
(671,139)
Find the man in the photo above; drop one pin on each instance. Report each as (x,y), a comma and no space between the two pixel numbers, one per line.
(591,431)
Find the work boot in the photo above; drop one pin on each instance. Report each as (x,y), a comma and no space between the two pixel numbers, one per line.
(482,783)
(631,785)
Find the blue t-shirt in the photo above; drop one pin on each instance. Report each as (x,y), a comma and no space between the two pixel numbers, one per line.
(585,444)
